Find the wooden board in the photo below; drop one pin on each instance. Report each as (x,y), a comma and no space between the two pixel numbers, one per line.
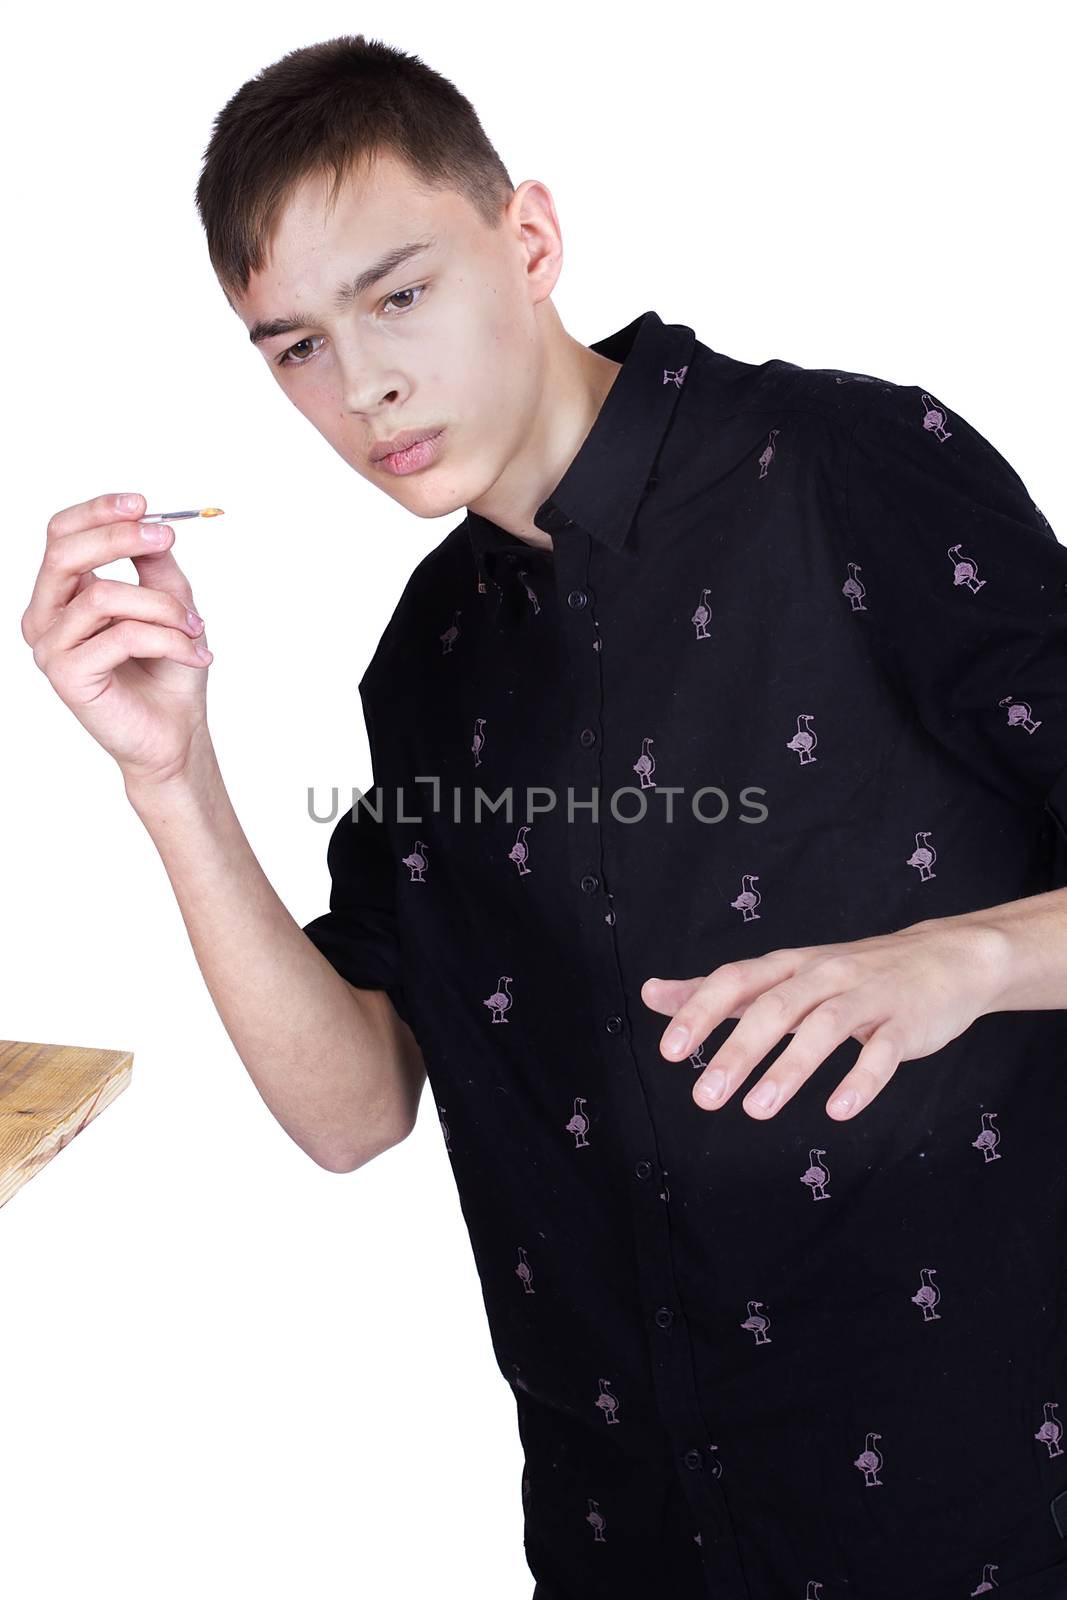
(48,1094)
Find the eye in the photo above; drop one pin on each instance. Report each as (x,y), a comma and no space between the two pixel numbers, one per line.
(419,287)
(287,359)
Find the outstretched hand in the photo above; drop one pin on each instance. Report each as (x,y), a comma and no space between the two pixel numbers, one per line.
(902,995)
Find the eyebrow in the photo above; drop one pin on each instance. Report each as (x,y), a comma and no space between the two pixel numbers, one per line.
(347,292)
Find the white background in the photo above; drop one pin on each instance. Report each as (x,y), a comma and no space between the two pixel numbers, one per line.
(227,1371)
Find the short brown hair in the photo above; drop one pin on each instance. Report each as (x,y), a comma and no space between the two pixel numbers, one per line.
(334,107)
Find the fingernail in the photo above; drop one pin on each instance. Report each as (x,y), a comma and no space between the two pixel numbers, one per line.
(195,622)
(763,1097)
(844,1102)
(678,1039)
(710,1087)
(128,502)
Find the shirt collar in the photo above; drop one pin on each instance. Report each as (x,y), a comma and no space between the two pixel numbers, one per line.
(604,484)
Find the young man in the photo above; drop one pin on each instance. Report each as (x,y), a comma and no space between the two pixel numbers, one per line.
(751,676)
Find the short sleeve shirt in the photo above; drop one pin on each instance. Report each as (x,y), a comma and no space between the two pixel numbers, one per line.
(794,672)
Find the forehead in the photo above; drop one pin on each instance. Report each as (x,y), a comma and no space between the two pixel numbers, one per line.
(314,245)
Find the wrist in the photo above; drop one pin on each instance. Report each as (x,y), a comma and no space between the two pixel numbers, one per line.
(987,954)
(198,775)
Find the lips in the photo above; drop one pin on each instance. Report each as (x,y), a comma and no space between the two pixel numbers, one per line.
(401,462)
(403,441)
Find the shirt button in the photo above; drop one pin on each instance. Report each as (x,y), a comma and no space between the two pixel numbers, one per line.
(587,737)
(643,1169)
(577,599)
(664,1317)
(590,883)
(613,1024)
(693,1459)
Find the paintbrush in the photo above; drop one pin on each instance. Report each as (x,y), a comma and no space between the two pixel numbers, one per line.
(179,516)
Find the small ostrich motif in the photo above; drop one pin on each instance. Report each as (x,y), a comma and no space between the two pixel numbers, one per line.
(928,1296)
(520,851)
(869,1463)
(757,1323)
(499,1001)
(595,1519)
(989,1137)
(606,1401)
(964,569)
(854,588)
(444,1128)
(524,1272)
(645,765)
(988,1583)
(934,418)
(478,741)
(450,635)
(923,856)
(417,862)
(804,740)
(702,616)
(749,898)
(1050,1431)
(817,1176)
(696,1057)
(676,377)
(767,455)
(579,1123)
(1019,714)
(532,596)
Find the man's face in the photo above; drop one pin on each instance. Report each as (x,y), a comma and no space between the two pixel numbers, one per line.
(446,339)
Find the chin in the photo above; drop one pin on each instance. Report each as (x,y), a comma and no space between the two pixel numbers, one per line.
(425,498)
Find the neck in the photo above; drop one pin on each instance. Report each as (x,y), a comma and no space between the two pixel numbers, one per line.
(575,384)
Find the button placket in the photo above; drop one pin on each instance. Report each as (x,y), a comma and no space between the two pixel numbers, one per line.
(671,1359)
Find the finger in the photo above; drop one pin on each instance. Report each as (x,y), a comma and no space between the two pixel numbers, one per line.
(78,539)
(88,668)
(667,995)
(159,570)
(730,987)
(872,1070)
(815,1036)
(103,602)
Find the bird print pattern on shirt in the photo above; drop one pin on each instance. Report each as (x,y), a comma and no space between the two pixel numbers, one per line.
(870,1462)
(500,1000)
(645,765)
(853,588)
(964,571)
(768,454)
(1020,715)
(478,741)
(531,593)
(416,861)
(520,851)
(451,634)
(804,740)
(923,856)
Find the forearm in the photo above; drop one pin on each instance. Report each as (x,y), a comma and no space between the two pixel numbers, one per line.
(326,1058)
(1029,949)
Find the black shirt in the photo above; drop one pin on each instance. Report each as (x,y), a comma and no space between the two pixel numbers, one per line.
(751,1360)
